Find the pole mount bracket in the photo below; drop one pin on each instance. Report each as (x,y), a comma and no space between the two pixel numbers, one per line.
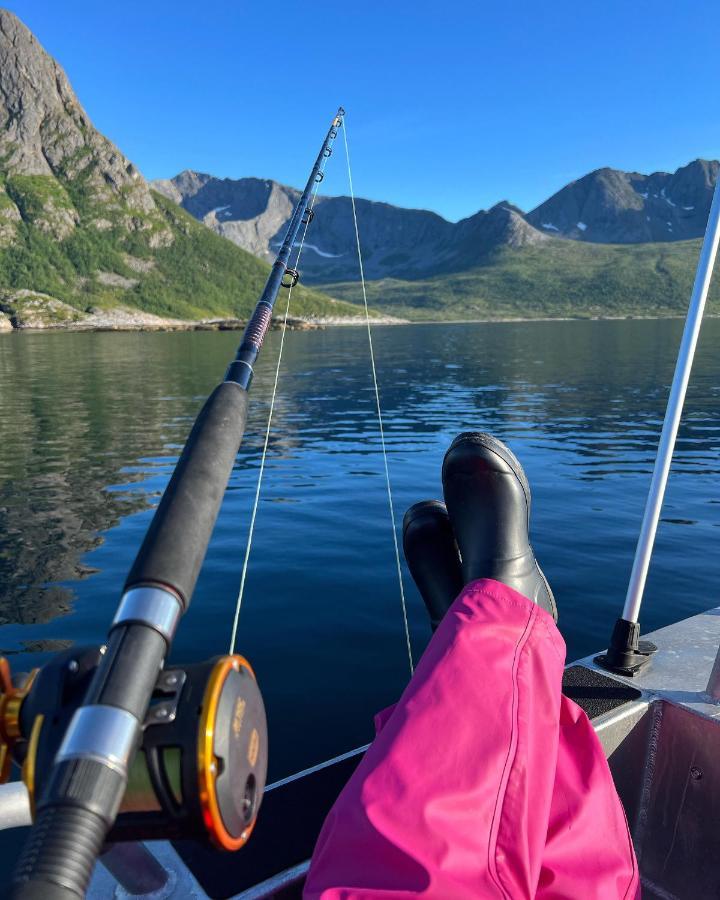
(627,655)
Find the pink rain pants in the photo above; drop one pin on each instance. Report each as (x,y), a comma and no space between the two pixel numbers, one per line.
(483,780)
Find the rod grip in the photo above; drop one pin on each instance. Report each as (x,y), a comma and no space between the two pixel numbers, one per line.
(176,542)
(59,856)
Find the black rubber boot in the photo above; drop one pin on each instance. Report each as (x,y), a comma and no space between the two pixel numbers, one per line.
(488,499)
(432,556)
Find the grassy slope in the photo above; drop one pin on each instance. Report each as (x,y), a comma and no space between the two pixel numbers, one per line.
(556,278)
(199,275)
(200,264)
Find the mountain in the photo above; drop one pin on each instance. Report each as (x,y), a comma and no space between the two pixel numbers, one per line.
(396,242)
(610,244)
(80,228)
(254,214)
(613,207)
(607,206)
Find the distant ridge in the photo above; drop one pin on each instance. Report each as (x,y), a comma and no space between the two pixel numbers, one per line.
(607,206)
(610,244)
(397,242)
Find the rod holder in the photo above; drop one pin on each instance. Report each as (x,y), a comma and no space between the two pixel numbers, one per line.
(627,654)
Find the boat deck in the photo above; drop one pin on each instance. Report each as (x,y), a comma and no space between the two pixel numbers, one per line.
(661,734)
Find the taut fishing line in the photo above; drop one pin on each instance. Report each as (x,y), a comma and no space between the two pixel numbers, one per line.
(263,458)
(258,486)
(379,411)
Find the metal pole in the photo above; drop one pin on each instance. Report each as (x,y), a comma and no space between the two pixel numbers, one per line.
(638,576)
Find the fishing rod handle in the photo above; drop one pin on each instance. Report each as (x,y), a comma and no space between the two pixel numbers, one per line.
(66,843)
(176,542)
(89,774)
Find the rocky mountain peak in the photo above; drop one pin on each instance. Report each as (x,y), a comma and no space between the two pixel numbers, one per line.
(187,184)
(508,226)
(503,225)
(612,206)
(47,142)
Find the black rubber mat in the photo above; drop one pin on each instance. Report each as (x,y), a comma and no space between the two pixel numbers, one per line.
(594,692)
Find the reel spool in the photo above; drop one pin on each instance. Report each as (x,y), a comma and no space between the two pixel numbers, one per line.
(201,768)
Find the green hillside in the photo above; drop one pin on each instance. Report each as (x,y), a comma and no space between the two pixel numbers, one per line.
(167,264)
(555,278)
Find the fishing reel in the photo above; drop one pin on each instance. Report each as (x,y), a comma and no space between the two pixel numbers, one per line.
(201,767)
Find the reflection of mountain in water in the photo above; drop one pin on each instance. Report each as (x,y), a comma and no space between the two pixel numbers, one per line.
(75,411)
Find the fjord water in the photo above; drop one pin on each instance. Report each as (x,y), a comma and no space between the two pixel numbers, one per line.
(91,425)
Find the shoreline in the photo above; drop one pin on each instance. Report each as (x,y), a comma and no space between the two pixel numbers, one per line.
(630,317)
(128,320)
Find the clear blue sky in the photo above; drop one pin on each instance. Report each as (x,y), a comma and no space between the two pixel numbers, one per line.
(452,106)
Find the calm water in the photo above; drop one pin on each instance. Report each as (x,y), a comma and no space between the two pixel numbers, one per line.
(90,426)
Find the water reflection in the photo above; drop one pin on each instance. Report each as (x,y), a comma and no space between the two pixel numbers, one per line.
(90,426)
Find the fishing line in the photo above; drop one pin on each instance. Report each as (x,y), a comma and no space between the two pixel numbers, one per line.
(251,532)
(379,412)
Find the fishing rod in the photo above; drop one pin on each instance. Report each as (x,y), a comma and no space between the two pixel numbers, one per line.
(76,724)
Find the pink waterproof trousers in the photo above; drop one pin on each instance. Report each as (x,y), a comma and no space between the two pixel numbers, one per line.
(483,780)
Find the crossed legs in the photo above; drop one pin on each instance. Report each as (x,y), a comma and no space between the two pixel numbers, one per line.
(483,780)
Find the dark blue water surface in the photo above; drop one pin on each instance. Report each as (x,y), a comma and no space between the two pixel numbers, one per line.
(91,425)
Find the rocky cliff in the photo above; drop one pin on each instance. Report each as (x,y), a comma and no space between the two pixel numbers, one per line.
(80,228)
(49,150)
